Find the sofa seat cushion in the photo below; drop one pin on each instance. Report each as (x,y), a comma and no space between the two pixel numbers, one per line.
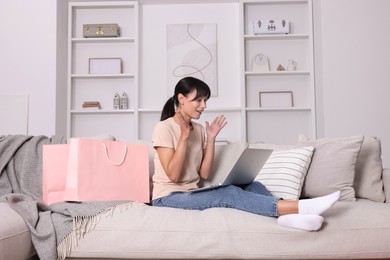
(15,238)
(351,230)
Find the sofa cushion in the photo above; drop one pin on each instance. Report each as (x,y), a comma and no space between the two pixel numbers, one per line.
(368,182)
(15,237)
(284,172)
(349,231)
(386,183)
(332,167)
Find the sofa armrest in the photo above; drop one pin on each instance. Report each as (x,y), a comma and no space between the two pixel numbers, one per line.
(386,183)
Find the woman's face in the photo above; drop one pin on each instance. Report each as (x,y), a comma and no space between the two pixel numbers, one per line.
(191,108)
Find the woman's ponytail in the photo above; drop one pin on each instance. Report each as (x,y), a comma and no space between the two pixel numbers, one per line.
(168,109)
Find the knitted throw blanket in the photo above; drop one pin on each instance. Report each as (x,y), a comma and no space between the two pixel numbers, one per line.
(55,229)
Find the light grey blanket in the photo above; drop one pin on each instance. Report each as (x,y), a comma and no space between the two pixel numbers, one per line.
(51,226)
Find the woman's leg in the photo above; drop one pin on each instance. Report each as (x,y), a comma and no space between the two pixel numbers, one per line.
(308,217)
(287,207)
(226,197)
(314,206)
(283,207)
(235,197)
(257,187)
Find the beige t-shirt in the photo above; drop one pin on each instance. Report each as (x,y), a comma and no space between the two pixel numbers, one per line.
(167,134)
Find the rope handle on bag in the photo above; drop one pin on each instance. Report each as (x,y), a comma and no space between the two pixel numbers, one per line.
(108,158)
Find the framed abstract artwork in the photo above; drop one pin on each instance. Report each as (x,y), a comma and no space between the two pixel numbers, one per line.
(192,51)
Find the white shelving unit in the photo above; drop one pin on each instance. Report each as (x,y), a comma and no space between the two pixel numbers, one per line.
(247,120)
(279,124)
(82,86)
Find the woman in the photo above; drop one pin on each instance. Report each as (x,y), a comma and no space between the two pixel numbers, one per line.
(183,156)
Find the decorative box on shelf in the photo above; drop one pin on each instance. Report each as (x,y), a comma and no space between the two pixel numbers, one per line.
(101,30)
(271,27)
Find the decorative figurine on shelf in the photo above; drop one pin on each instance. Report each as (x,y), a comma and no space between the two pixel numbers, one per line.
(116,101)
(292,65)
(124,102)
(280,68)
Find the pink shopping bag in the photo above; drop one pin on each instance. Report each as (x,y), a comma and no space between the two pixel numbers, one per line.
(107,170)
(54,168)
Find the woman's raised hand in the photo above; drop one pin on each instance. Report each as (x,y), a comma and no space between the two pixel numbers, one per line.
(215,127)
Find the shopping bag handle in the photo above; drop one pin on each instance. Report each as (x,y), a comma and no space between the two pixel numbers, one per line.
(108,158)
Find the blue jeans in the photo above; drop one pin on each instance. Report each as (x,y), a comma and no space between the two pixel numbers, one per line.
(253,198)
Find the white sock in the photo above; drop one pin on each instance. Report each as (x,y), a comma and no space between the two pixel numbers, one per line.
(318,205)
(303,222)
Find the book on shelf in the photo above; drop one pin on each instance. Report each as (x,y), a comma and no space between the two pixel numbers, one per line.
(91,105)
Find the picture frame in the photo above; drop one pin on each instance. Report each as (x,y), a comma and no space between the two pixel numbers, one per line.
(276,99)
(105,65)
(191,50)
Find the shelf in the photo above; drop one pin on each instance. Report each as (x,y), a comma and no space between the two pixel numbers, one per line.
(104,40)
(253,37)
(170,2)
(102,4)
(278,109)
(101,76)
(83,86)
(102,111)
(149,110)
(225,109)
(268,123)
(277,73)
(273,2)
(165,2)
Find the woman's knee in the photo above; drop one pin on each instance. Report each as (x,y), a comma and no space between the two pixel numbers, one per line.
(230,190)
(258,187)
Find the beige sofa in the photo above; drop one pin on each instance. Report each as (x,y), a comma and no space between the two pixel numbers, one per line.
(357,227)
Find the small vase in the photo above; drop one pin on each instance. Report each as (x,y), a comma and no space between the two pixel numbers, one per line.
(292,65)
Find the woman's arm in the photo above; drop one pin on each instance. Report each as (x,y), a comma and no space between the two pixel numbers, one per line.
(173,160)
(212,130)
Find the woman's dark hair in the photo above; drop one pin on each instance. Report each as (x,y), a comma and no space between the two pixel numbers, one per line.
(185,86)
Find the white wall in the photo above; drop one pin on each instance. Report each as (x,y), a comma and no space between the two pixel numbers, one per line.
(352,67)
(28,58)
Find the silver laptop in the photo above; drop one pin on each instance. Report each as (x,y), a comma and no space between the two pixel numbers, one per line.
(248,165)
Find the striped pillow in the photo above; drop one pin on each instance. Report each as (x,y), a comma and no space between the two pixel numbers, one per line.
(284,172)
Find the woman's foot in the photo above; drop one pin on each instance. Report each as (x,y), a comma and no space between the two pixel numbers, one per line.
(302,222)
(318,205)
